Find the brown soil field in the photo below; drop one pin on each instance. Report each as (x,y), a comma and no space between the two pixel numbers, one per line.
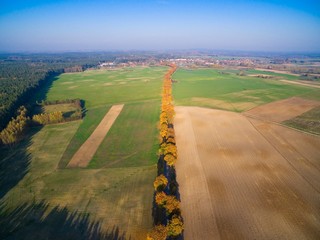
(243,178)
(85,153)
(282,110)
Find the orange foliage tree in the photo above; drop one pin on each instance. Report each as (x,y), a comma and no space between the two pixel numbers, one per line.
(161,181)
(175,226)
(159,232)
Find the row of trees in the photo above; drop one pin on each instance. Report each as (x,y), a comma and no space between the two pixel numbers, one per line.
(68,116)
(168,222)
(15,128)
(48,118)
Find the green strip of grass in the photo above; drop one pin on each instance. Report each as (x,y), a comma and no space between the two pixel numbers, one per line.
(132,140)
(308,121)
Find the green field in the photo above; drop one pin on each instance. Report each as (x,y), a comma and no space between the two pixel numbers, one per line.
(132,140)
(115,191)
(114,197)
(215,89)
(308,121)
(100,87)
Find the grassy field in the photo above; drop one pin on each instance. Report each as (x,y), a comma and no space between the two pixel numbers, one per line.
(115,191)
(101,87)
(114,197)
(309,121)
(64,107)
(214,89)
(127,139)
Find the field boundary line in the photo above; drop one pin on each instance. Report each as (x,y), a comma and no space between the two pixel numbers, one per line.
(279,124)
(87,150)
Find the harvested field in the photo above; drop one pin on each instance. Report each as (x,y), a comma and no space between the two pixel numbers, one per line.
(244,178)
(282,110)
(85,153)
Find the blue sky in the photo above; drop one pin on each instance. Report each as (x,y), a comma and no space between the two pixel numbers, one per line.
(89,25)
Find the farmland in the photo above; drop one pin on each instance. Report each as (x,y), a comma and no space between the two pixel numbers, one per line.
(233,144)
(114,193)
(246,175)
(228,91)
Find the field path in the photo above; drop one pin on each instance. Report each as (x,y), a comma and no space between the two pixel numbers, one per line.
(242,178)
(300,83)
(85,153)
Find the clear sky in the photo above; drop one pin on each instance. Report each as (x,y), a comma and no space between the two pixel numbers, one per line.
(89,25)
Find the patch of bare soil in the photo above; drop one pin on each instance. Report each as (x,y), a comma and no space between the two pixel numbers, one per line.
(85,153)
(282,110)
(242,179)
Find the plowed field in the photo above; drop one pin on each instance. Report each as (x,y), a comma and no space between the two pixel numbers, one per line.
(243,178)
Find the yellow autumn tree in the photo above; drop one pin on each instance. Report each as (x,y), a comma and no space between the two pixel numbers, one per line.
(171,204)
(161,180)
(175,226)
(15,128)
(159,232)
(170,149)
(170,159)
(161,198)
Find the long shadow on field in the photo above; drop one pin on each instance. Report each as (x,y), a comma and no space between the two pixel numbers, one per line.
(15,160)
(14,163)
(40,94)
(36,221)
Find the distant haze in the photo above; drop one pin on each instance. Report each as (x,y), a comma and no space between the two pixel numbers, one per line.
(83,25)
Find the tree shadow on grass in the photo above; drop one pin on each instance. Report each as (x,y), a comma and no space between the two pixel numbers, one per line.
(15,160)
(36,221)
(14,163)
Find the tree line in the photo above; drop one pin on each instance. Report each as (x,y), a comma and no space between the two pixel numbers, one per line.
(167,219)
(18,125)
(15,128)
